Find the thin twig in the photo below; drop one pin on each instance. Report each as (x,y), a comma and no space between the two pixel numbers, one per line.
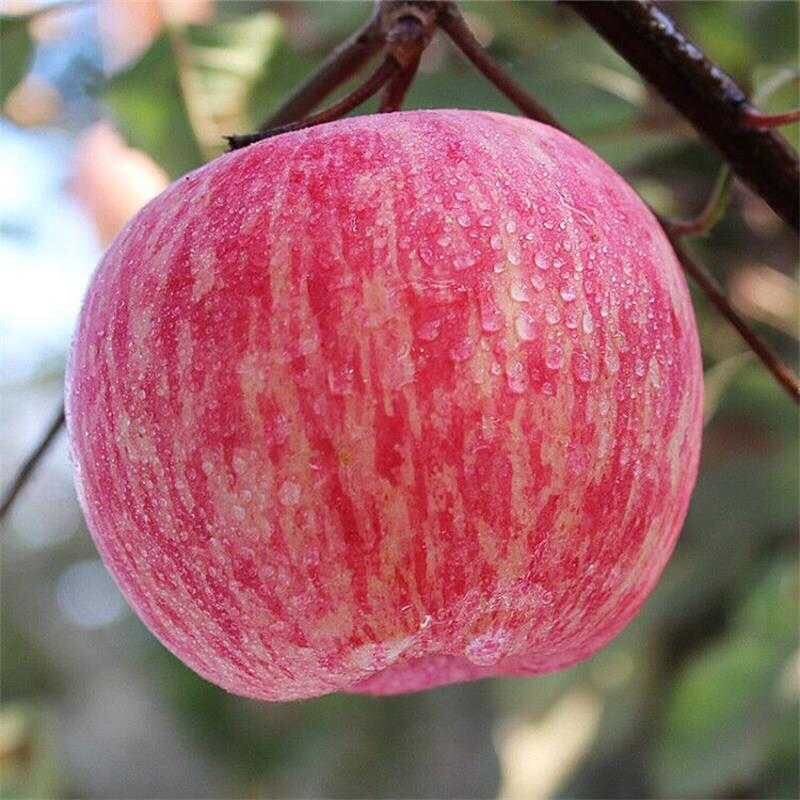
(340,66)
(452,22)
(388,68)
(757,119)
(713,210)
(648,39)
(406,38)
(25,471)
(714,293)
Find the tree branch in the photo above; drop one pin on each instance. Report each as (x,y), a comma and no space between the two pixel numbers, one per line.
(453,24)
(25,471)
(647,38)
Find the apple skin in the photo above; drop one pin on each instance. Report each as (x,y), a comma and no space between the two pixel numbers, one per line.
(393,402)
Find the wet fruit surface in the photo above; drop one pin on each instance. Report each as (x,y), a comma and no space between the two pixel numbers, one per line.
(389,403)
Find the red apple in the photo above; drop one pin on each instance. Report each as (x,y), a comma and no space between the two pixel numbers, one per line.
(389,403)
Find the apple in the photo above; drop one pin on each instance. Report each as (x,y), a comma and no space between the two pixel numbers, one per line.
(388,403)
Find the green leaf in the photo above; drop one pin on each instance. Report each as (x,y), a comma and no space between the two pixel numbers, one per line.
(148,106)
(227,60)
(190,89)
(16,51)
(727,704)
(769,611)
(716,729)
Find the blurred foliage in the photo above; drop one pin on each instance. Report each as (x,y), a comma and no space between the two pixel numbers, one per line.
(698,696)
(16,49)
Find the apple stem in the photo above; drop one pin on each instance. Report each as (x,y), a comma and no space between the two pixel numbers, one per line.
(397,88)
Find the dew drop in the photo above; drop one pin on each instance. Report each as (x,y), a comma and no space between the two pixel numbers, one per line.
(463,220)
(491,320)
(520,292)
(588,322)
(489,647)
(552,314)
(582,367)
(511,226)
(541,261)
(496,242)
(526,328)
(554,356)
(516,377)
(514,258)
(568,293)
(289,493)
(537,281)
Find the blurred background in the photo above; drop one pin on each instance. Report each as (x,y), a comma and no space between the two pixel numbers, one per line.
(102,104)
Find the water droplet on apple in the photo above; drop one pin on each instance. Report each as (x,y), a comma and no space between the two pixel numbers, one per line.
(489,647)
(554,356)
(289,493)
(526,328)
(552,314)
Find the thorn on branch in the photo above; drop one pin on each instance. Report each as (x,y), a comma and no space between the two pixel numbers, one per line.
(30,464)
(387,69)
